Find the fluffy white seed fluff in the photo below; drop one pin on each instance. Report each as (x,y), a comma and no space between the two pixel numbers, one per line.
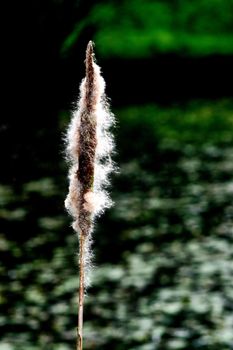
(89,137)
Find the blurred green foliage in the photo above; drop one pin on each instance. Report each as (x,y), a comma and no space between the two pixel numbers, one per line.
(164,253)
(141,28)
(163,267)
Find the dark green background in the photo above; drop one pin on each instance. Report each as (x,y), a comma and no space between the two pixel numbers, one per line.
(163,265)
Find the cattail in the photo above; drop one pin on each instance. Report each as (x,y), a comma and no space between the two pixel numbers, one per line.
(89,144)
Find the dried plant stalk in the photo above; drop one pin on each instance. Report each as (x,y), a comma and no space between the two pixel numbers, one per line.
(89,144)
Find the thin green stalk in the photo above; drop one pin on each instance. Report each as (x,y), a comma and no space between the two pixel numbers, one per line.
(81,291)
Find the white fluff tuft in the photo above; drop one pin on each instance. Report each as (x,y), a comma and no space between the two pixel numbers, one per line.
(96,200)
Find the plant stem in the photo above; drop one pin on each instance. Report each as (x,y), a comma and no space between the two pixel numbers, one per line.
(81,291)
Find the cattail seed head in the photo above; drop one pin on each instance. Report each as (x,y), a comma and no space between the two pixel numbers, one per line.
(89,144)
